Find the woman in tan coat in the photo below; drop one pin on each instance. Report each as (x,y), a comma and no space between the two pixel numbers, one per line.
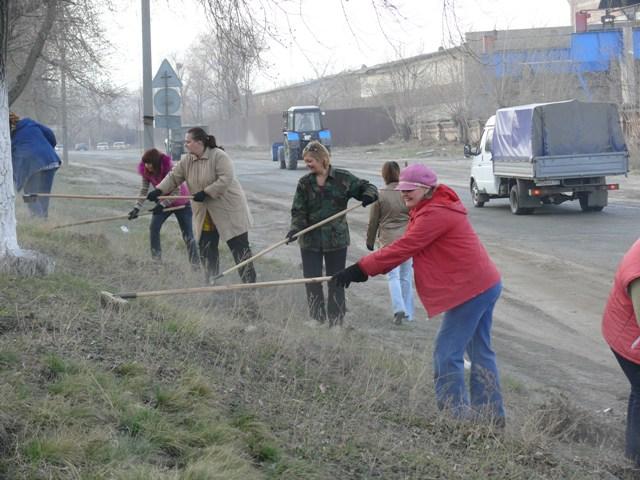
(388,220)
(220,208)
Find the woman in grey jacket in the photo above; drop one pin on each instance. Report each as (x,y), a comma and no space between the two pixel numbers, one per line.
(388,220)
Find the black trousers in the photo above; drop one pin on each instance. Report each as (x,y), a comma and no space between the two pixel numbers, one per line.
(334,261)
(240,250)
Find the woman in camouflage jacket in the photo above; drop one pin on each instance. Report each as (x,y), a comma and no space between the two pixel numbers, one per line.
(323,192)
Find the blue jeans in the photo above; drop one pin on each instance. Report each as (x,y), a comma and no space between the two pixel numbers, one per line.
(40,182)
(632,436)
(468,327)
(184,221)
(400,281)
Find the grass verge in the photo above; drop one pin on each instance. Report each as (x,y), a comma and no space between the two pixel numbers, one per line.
(197,387)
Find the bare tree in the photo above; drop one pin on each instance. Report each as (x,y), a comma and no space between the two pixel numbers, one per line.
(401,88)
(198,83)
(12,258)
(64,28)
(22,78)
(8,235)
(240,29)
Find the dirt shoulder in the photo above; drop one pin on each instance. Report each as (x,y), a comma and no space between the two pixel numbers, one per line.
(546,329)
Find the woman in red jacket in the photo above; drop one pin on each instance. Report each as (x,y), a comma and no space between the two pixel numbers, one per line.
(453,274)
(621,331)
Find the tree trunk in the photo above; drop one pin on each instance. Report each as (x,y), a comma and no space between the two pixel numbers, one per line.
(8,237)
(12,259)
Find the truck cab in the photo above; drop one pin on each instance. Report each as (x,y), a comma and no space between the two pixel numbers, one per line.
(483,182)
(301,125)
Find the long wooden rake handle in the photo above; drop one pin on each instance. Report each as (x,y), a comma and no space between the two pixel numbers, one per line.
(28,196)
(108,219)
(219,288)
(282,242)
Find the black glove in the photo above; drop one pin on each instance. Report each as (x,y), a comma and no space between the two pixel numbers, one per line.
(133,213)
(290,235)
(370,247)
(348,275)
(158,209)
(154,194)
(369,198)
(200,196)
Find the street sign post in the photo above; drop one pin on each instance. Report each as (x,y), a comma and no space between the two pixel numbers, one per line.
(167,101)
(170,122)
(166,76)
(166,98)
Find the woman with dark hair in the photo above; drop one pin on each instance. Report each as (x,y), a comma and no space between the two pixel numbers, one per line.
(388,220)
(153,167)
(220,208)
(323,192)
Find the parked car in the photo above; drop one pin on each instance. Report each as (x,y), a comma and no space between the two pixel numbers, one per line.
(59,147)
(119,145)
(81,146)
(102,146)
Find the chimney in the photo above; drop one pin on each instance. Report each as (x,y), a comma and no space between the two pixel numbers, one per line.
(489,41)
(581,21)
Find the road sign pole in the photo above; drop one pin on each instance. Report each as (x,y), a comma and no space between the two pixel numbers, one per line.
(166,100)
(147,97)
(166,109)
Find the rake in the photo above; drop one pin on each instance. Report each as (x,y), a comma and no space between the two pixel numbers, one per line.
(108,219)
(107,298)
(286,240)
(31,197)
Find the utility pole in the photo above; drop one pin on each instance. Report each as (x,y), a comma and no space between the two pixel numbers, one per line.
(628,68)
(63,98)
(147,97)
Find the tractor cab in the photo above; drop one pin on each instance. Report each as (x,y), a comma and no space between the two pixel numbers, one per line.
(301,124)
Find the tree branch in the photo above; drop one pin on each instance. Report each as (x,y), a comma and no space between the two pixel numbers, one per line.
(36,49)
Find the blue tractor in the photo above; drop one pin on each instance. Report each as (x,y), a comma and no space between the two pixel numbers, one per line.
(302,124)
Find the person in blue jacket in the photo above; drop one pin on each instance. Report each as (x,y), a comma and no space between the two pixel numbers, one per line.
(34,160)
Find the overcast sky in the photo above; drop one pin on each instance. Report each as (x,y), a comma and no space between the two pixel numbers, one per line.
(318,36)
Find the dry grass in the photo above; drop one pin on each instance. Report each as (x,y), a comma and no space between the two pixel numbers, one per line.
(193,387)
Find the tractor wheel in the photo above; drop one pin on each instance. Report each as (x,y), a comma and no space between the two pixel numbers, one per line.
(283,164)
(292,159)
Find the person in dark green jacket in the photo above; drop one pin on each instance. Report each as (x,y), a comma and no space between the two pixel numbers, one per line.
(321,193)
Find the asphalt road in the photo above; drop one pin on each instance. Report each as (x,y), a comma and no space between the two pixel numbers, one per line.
(557,265)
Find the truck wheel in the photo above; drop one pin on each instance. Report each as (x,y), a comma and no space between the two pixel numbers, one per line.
(292,160)
(584,204)
(283,164)
(476,197)
(514,202)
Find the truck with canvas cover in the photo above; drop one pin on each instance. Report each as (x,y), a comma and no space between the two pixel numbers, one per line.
(302,124)
(549,153)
